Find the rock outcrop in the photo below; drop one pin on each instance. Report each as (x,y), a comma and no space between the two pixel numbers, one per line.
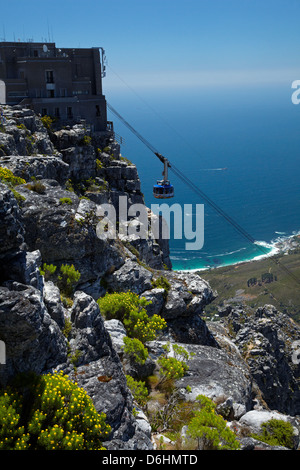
(266,340)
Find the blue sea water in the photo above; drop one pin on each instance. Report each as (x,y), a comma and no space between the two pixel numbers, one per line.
(253,132)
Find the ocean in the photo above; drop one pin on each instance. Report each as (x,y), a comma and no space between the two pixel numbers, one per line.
(239,145)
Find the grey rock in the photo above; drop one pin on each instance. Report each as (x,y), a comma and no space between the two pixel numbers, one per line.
(37,166)
(248,443)
(217,374)
(81,162)
(54,304)
(117,333)
(265,338)
(11,227)
(156,300)
(254,419)
(33,340)
(184,304)
(187,296)
(24,134)
(67,138)
(65,236)
(143,423)
(226,409)
(130,276)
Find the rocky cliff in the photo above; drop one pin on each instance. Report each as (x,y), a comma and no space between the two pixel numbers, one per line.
(49,215)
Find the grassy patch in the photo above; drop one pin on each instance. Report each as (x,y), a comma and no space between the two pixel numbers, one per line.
(232,284)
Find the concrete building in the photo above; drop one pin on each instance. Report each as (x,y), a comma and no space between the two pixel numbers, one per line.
(62,83)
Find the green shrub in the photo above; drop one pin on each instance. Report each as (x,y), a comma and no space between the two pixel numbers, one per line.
(117,305)
(172,368)
(139,325)
(50,413)
(276,432)
(210,429)
(22,127)
(48,270)
(135,350)
(70,186)
(68,278)
(19,198)
(65,200)
(139,391)
(128,307)
(37,187)
(162,283)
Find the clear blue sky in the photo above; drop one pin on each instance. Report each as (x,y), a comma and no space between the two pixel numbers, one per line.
(169,42)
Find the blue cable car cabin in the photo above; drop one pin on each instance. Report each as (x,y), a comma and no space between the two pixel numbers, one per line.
(163,190)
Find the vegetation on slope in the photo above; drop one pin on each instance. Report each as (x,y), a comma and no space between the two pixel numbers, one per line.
(258,283)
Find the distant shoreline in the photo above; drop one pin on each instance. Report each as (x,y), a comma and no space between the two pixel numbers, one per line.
(281,246)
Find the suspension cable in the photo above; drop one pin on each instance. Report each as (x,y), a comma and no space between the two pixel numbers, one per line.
(198,191)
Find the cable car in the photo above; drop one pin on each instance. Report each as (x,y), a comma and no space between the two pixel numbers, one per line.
(163,189)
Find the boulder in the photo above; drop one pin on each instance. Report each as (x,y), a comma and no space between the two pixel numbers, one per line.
(253,420)
(34,342)
(266,340)
(54,304)
(130,276)
(218,375)
(117,333)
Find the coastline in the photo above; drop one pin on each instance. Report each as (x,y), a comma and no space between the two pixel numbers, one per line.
(280,246)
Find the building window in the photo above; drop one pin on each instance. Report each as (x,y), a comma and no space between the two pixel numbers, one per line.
(50,93)
(97,110)
(63,92)
(49,76)
(56,113)
(69,112)
(44,112)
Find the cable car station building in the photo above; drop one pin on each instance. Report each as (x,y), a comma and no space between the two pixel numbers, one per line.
(63,83)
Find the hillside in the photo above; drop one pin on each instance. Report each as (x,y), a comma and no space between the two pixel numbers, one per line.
(258,282)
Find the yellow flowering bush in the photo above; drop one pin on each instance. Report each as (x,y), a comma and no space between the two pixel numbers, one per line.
(129,308)
(53,414)
(9,178)
(118,304)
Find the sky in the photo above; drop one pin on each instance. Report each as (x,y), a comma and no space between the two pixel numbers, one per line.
(169,43)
